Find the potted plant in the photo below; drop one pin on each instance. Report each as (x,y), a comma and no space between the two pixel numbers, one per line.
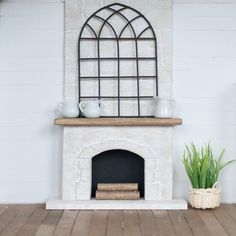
(203,171)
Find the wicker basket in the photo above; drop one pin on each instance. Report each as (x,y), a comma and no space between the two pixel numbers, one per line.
(205,198)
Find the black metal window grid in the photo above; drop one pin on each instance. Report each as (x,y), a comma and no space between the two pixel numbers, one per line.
(134,30)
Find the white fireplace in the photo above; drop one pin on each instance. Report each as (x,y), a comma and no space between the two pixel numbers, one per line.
(149,138)
(151,143)
(82,143)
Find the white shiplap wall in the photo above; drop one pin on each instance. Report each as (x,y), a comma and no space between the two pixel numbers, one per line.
(31,78)
(31,83)
(204,84)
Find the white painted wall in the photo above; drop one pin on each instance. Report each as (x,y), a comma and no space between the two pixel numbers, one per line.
(204,84)
(31,78)
(31,84)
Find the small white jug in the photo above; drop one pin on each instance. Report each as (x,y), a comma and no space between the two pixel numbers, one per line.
(90,109)
(69,108)
(164,108)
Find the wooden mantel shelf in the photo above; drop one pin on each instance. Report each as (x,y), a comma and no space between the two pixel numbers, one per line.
(117,122)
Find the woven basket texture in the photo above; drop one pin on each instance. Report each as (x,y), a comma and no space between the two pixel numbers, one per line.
(204,198)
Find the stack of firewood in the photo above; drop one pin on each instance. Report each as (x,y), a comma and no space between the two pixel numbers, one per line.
(117,191)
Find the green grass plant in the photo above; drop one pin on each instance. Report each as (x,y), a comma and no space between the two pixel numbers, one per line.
(201,166)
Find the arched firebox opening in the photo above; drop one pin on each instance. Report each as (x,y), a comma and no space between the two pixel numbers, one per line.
(117,166)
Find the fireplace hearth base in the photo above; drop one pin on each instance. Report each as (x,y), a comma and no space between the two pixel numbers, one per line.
(175,204)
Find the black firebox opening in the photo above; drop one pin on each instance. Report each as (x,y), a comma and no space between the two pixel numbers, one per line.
(118,166)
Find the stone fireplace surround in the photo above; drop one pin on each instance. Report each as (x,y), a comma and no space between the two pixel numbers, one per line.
(151,142)
(82,144)
(149,138)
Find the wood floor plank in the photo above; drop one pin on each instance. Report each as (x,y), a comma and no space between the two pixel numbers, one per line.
(82,223)
(30,220)
(230,209)
(65,224)
(147,223)
(31,226)
(131,223)
(179,223)
(115,223)
(226,220)
(196,223)
(48,226)
(3,208)
(23,214)
(212,223)
(6,217)
(98,223)
(163,223)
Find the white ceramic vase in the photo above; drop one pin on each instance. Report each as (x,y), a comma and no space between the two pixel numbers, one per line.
(69,108)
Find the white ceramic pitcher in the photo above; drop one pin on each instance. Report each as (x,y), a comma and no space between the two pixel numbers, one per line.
(69,108)
(163,107)
(90,109)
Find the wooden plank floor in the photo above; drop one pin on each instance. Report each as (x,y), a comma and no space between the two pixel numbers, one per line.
(27,220)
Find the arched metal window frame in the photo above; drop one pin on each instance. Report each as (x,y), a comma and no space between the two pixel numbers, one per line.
(118,38)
